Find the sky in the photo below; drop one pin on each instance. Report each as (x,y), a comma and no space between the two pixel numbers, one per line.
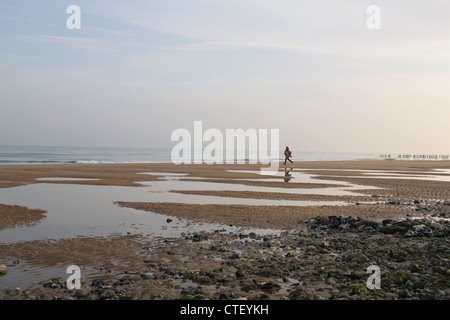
(136,71)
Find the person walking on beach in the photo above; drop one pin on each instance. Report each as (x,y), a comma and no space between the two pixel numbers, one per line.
(287,155)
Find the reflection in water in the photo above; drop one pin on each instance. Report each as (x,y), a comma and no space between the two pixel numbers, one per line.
(442,175)
(287,175)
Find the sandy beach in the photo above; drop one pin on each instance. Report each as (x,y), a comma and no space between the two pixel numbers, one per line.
(396,215)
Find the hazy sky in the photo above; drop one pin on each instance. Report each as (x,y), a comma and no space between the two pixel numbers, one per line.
(137,70)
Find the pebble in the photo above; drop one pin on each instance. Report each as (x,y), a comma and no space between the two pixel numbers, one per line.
(3,269)
(147,275)
(84,291)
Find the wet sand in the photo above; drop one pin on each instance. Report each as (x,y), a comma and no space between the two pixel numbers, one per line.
(16,216)
(129,174)
(396,198)
(280,217)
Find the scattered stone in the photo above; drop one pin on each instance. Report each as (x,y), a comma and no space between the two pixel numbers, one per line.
(204,280)
(84,291)
(147,275)
(270,287)
(3,269)
(240,273)
(334,222)
(358,257)
(249,286)
(107,294)
(298,294)
(235,256)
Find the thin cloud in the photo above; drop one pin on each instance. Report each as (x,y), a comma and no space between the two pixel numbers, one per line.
(230,46)
(62,40)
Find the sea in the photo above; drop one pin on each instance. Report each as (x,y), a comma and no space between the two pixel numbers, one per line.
(91,155)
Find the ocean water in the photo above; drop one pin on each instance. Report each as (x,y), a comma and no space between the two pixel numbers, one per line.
(48,155)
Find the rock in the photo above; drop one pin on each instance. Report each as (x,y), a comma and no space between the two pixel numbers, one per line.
(419,227)
(321,220)
(198,237)
(191,291)
(324,244)
(358,257)
(397,277)
(3,269)
(223,296)
(84,291)
(336,273)
(344,226)
(404,294)
(169,220)
(249,286)
(147,275)
(240,274)
(357,290)
(399,255)
(415,268)
(98,283)
(298,294)
(334,222)
(235,256)
(410,233)
(388,229)
(204,280)
(189,297)
(169,272)
(107,294)
(270,287)
(358,275)
(128,296)
(191,274)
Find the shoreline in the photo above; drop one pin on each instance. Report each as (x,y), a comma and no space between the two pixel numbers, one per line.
(403,212)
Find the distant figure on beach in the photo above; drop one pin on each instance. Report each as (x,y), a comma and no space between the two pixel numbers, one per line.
(287,155)
(287,175)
